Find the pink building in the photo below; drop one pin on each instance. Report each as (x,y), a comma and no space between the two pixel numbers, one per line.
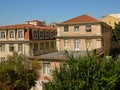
(75,35)
(82,33)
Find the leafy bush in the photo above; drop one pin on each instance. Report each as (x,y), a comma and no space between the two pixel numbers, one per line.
(17,73)
(86,73)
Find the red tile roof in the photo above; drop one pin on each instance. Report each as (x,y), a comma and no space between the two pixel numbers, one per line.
(23,26)
(81,19)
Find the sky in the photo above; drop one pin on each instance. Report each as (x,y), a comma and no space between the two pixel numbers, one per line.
(19,11)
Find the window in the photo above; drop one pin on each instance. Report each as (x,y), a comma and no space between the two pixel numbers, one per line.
(88,28)
(47,35)
(66,29)
(2,60)
(20,47)
(66,43)
(46,68)
(41,45)
(11,47)
(76,28)
(47,45)
(41,35)
(76,44)
(52,34)
(2,34)
(11,34)
(52,44)
(35,46)
(88,44)
(2,47)
(20,34)
(35,34)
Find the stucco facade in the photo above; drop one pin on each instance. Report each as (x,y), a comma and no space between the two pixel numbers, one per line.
(31,39)
(83,33)
(78,38)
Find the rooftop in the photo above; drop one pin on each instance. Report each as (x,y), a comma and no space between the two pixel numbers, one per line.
(81,19)
(115,15)
(25,26)
(60,55)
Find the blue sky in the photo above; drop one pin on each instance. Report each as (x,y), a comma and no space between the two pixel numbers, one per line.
(19,11)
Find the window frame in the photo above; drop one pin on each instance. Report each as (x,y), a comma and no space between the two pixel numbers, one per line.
(76,29)
(76,44)
(47,34)
(66,28)
(11,35)
(46,68)
(35,34)
(66,43)
(20,35)
(41,34)
(52,34)
(11,47)
(2,47)
(2,36)
(20,47)
(88,28)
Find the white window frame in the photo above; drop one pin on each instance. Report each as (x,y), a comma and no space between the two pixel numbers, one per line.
(76,28)
(47,34)
(66,43)
(76,44)
(13,36)
(35,34)
(41,34)
(2,47)
(1,37)
(46,68)
(21,35)
(20,47)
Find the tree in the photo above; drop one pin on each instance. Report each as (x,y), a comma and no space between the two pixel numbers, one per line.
(117,31)
(17,73)
(86,73)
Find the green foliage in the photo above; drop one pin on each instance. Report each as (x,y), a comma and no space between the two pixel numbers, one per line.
(86,73)
(17,73)
(117,31)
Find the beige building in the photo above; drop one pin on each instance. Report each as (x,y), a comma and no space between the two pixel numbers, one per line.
(31,39)
(53,25)
(115,15)
(111,19)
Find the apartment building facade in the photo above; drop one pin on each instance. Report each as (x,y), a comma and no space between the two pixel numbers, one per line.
(31,39)
(84,33)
